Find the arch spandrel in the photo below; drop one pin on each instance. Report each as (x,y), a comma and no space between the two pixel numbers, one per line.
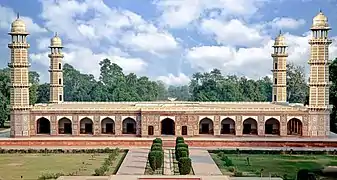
(101,118)
(256,118)
(39,117)
(67,117)
(126,117)
(225,117)
(206,117)
(167,117)
(272,117)
(89,117)
(295,117)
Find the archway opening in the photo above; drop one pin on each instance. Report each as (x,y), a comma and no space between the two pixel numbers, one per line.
(65,126)
(250,126)
(206,126)
(86,126)
(150,130)
(272,126)
(43,126)
(294,127)
(227,126)
(108,126)
(129,126)
(167,127)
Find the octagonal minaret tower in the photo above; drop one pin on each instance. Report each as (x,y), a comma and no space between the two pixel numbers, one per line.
(319,77)
(279,70)
(56,73)
(19,68)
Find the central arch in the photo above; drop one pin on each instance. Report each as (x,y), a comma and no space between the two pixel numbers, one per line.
(129,126)
(249,126)
(86,126)
(272,126)
(65,126)
(43,126)
(167,127)
(227,126)
(108,126)
(206,126)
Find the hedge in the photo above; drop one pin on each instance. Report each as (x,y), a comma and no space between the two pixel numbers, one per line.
(180,139)
(288,151)
(185,165)
(179,151)
(181,145)
(157,140)
(156,159)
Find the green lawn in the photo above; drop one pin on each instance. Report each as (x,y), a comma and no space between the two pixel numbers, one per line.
(274,165)
(31,166)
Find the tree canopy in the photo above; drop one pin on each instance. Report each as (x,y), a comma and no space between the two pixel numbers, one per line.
(114,85)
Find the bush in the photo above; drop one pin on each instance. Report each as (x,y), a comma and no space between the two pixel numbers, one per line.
(227,161)
(180,139)
(156,148)
(157,140)
(155,159)
(157,144)
(99,172)
(238,174)
(185,165)
(181,145)
(179,151)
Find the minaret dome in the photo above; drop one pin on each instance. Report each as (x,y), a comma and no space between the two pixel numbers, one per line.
(280,40)
(56,41)
(18,26)
(320,21)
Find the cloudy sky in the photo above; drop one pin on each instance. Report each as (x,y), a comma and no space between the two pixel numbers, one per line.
(167,40)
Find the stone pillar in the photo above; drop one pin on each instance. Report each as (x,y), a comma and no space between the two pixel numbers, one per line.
(193,128)
(144,129)
(53,125)
(238,126)
(97,125)
(138,125)
(260,125)
(119,127)
(76,125)
(217,126)
(32,131)
(283,125)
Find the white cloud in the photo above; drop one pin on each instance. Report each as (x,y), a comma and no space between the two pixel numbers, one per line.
(171,79)
(178,14)
(286,23)
(7,16)
(233,32)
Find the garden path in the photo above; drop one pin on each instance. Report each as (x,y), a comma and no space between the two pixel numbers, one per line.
(203,164)
(134,162)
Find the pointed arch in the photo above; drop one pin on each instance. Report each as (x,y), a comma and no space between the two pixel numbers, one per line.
(107,126)
(65,126)
(129,126)
(250,126)
(206,126)
(43,126)
(272,127)
(227,126)
(86,126)
(167,126)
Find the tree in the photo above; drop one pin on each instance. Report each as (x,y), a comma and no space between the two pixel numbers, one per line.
(297,88)
(333,95)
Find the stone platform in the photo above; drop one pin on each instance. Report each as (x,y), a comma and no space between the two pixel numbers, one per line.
(94,142)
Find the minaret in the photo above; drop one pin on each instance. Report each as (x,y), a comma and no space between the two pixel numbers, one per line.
(19,68)
(279,70)
(319,77)
(56,74)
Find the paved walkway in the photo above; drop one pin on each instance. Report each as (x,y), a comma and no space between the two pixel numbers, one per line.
(203,164)
(134,162)
(168,163)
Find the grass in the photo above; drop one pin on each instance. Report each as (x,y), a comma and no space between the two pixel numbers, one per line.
(31,166)
(273,165)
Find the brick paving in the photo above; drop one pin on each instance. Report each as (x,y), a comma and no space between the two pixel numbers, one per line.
(203,164)
(134,162)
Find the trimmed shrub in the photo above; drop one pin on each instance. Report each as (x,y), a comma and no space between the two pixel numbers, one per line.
(157,140)
(181,145)
(227,161)
(179,152)
(156,148)
(157,144)
(155,159)
(238,174)
(185,165)
(180,139)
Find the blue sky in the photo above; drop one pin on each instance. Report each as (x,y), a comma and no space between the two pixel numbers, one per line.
(167,40)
